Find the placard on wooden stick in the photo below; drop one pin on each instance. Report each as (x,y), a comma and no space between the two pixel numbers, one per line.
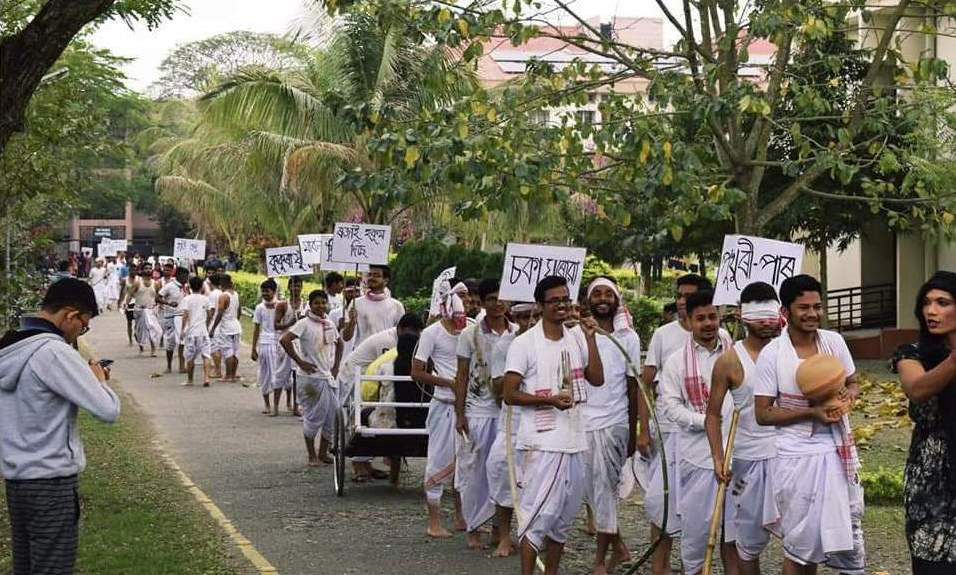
(527,264)
(361,243)
(748,259)
(286,261)
(311,247)
(186,249)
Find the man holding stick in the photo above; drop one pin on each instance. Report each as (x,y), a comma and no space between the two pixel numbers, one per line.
(610,418)
(685,389)
(816,479)
(755,445)
(548,373)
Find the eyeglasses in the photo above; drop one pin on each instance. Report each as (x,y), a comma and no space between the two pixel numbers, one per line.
(557,301)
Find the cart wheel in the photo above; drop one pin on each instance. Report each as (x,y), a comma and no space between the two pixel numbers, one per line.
(338,449)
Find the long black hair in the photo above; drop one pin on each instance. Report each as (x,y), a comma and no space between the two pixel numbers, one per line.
(933,348)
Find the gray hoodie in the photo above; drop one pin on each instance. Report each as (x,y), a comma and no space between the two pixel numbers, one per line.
(42,382)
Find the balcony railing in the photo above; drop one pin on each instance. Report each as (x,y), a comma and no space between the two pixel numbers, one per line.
(865,307)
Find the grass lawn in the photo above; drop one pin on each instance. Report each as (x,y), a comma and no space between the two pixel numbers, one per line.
(136,516)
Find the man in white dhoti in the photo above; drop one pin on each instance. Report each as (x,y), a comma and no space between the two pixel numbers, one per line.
(169,298)
(476,408)
(499,481)
(685,389)
(610,418)
(439,343)
(226,329)
(147,328)
(367,315)
(317,357)
(666,340)
(265,346)
(98,280)
(816,473)
(750,485)
(549,374)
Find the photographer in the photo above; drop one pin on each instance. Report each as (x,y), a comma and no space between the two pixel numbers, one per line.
(43,380)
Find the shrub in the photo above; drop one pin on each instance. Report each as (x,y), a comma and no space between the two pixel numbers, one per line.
(883,486)
(247,286)
(646,314)
(417,264)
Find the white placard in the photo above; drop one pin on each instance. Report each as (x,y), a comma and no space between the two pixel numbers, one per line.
(311,247)
(104,249)
(325,260)
(748,259)
(286,261)
(361,243)
(527,264)
(88,252)
(120,245)
(184,249)
(435,308)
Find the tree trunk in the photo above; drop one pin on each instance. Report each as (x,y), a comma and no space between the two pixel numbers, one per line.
(822,252)
(28,54)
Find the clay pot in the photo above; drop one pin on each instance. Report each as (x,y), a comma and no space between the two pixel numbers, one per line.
(820,377)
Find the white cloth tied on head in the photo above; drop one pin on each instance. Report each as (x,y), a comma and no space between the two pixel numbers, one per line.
(450,305)
(760,310)
(522,308)
(622,318)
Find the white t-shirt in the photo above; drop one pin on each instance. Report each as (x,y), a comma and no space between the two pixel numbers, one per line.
(607,404)
(172,292)
(692,437)
(565,430)
(441,347)
(665,341)
(375,316)
(500,355)
(265,318)
(98,277)
(317,344)
(196,304)
(480,401)
(809,436)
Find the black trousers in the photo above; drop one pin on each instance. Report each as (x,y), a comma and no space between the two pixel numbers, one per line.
(44,520)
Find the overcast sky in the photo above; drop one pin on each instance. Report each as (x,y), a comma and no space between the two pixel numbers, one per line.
(207,18)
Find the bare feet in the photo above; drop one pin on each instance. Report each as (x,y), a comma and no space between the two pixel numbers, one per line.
(619,555)
(473,539)
(186,384)
(505,548)
(599,570)
(266,411)
(168,370)
(205,384)
(326,460)
(314,462)
(437,531)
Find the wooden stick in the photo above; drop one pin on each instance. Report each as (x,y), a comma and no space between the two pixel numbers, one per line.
(721,494)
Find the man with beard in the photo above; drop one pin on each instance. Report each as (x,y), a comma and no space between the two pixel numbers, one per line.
(816,478)
(685,387)
(610,417)
(372,313)
(751,491)
(666,340)
(550,372)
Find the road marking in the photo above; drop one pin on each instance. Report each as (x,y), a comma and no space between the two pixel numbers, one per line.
(261,564)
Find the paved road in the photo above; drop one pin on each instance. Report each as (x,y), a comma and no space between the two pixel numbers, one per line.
(253,467)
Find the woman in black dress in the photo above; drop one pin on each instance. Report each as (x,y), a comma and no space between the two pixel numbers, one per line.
(927,372)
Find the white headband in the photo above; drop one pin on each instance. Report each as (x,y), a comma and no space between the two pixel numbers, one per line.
(760,310)
(522,308)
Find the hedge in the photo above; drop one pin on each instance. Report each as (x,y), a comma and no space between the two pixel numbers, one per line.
(883,486)
(417,264)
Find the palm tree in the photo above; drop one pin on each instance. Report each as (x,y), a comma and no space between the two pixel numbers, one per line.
(315,122)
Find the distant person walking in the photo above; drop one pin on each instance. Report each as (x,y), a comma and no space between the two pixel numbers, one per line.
(927,371)
(42,382)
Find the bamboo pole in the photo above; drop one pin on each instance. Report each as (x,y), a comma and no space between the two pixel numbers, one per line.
(715,519)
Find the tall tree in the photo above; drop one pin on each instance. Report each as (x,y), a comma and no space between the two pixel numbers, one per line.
(33,35)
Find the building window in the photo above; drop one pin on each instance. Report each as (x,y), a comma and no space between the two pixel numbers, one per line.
(584,117)
(540,118)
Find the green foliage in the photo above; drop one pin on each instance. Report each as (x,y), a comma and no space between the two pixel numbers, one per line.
(646,314)
(883,486)
(247,287)
(417,264)
(417,304)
